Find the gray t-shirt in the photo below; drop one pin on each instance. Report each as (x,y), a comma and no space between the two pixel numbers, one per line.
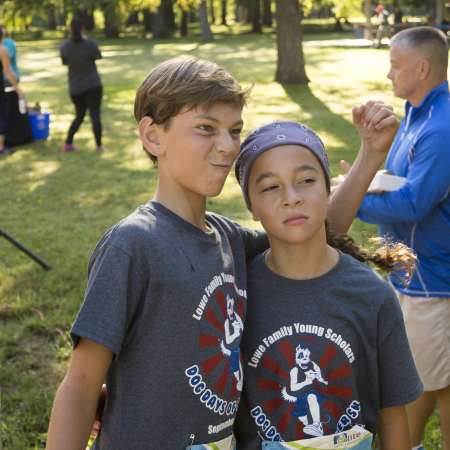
(160,294)
(80,57)
(321,355)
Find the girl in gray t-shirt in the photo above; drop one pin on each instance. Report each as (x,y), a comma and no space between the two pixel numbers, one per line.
(325,349)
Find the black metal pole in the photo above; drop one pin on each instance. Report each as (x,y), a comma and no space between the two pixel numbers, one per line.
(27,251)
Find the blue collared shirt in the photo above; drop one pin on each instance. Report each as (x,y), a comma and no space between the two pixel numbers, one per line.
(418,214)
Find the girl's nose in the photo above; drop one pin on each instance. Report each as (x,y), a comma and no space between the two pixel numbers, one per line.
(293,196)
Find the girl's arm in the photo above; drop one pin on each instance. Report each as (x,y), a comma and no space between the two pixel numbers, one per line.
(394,433)
(377,126)
(76,400)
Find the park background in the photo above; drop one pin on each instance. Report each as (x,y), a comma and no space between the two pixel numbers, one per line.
(60,204)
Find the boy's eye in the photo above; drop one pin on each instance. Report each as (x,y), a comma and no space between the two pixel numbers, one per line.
(206,128)
(236,132)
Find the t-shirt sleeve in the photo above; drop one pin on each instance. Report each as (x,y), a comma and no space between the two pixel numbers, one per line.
(255,242)
(399,381)
(96,53)
(62,54)
(114,289)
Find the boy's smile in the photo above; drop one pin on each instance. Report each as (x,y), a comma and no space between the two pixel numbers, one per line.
(197,150)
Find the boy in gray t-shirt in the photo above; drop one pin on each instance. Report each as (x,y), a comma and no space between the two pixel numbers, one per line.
(163,313)
(164,281)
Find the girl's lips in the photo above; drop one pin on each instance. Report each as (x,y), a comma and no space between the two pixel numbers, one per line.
(296,220)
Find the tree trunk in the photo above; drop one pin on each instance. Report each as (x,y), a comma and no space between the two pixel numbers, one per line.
(204,25)
(163,23)
(256,16)
(193,15)
(132,19)
(337,24)
(290,62)
(212,12)
(184,23)
(241,11)
(267,13)
(147,19)
(368,14)
(89,21)
(51,17)
(111,16)
(223,8)
(439,11)
(64,14)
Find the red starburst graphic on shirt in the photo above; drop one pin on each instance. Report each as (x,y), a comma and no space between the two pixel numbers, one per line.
(335,395)
(215,364)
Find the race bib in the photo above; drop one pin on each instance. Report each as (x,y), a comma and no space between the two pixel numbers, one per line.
(357,438)
(225,444)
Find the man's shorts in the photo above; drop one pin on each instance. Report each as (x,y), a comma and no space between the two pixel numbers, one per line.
(427,322)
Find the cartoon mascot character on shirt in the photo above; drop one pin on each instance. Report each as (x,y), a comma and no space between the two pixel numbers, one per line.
(302,392)
(233,330)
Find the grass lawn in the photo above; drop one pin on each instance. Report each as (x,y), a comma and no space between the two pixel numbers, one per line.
(59,204)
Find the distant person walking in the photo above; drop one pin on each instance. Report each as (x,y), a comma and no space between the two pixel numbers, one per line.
(5,70)
(383,24)
(85,86)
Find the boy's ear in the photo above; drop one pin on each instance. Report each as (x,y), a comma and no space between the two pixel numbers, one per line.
(149,133)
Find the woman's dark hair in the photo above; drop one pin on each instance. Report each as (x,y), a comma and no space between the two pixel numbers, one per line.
(389,257)
(76,27)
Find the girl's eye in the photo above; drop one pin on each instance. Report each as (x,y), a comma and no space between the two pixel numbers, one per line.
(269,188)
(306,181)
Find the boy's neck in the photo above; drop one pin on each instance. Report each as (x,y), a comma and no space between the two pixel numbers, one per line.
(303,261)
(187,205)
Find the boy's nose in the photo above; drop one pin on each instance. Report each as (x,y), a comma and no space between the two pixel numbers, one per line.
(226,144)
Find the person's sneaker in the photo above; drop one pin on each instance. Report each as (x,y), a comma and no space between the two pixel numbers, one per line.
(68,148)
(314,429)
(99,148)
(5,151)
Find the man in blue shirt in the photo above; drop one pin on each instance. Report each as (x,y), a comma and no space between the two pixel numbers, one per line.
(418,214)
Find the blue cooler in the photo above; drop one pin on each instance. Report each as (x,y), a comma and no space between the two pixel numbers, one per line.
(40,125)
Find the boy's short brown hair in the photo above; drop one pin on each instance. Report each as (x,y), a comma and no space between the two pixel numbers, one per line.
(185,82)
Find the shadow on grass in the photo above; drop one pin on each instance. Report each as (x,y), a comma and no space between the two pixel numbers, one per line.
(323,120)
(59,205)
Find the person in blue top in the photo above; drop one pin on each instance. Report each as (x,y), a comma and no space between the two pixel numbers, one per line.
(418,214)
(10,45)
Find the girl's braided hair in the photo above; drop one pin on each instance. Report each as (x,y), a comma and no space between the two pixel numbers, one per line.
(390,256)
